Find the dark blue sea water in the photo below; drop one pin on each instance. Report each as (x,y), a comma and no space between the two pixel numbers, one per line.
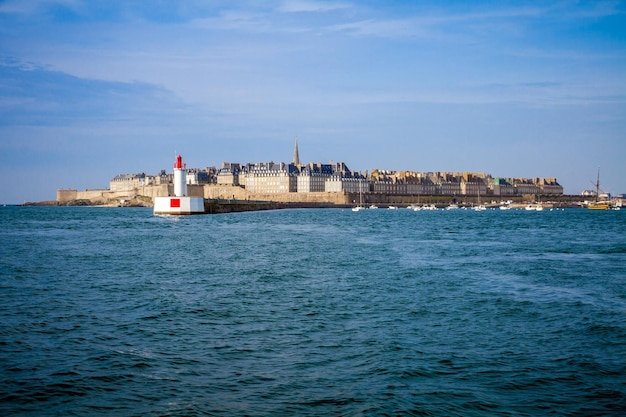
(116,312)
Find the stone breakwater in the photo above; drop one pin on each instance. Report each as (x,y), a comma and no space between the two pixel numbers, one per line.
(216,207)
(134,202)
(211,206)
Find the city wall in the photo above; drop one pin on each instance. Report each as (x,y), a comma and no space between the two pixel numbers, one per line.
(212,192)
(65,195)
(226,192)
(108,197)
(144,196)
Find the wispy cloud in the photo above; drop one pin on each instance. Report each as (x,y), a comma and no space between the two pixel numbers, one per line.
(300,6)
(35,95)
(29,7)
(243,21)
(448,23)
(389,28)
(541,84)
(434,24)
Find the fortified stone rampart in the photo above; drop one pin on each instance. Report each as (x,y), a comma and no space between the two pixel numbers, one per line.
(319,197)
(65,195)
(95,195)
(154,190)
(108,197)
(145,196)
(226,192)
(195,190)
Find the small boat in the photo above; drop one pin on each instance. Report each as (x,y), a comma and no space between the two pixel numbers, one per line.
(360,206)
(534,207)
(452,207)
(598,205)
(373,207)
(415,207)
(392,208)
(480,206)
(429,207)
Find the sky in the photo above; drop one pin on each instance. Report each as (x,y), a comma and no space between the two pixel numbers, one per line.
(90,89)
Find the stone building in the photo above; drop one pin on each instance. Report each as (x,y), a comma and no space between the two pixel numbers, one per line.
(229,174)
(312,178)
(277,178)
(525,186)
(338,184)
(501,187)
(549,186)
(197,176)
(129,182)
(270,177)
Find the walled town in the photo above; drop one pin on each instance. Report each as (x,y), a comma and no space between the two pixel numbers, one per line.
(333,183)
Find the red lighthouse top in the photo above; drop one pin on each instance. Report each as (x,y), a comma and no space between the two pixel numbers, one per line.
(179,162)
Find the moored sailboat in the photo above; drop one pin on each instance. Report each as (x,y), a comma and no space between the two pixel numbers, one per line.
(360,206)
(598,205)
(479,206)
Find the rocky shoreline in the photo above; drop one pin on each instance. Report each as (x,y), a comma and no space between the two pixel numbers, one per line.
(135,202)
(212,206)
(230,206)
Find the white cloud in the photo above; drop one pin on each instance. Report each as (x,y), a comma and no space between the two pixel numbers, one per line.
(446,23)
(382,28)
(299,6)
(237,21)
(28,7)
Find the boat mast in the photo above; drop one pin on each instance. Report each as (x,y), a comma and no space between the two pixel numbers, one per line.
(598,186)
(360,183)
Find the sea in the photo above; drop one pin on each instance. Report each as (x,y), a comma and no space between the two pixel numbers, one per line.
(312,312)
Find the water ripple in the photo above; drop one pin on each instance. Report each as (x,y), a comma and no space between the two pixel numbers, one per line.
(312,312)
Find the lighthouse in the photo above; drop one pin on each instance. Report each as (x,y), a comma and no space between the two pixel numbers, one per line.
(180,177)
(180,202)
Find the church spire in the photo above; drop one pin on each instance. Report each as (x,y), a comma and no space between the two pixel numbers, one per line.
(296,156)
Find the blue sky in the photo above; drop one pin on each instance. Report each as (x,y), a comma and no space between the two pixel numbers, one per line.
(91,89)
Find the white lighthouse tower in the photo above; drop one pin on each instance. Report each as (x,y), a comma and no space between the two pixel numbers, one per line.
(180,202)
(180,178)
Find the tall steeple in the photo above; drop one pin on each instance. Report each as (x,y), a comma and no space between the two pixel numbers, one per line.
(296,156)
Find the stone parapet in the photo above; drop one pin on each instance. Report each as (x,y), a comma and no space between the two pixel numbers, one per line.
(65,195)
